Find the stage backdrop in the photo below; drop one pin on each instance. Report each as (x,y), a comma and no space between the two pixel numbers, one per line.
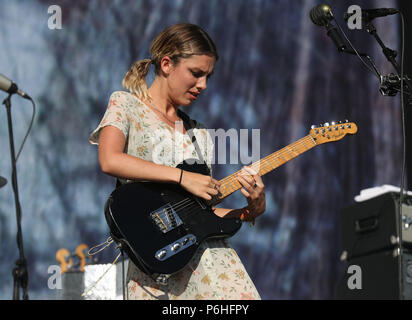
(278,72)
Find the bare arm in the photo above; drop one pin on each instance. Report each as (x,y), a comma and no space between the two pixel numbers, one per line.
(115,162)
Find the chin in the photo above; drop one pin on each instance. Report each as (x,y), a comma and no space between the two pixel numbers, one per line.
(186,103)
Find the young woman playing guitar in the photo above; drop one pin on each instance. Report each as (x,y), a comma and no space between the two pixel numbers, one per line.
(140,139)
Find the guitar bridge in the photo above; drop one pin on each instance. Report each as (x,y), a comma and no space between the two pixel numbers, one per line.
(166,218)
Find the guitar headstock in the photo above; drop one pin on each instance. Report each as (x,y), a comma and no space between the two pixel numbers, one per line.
(66,262)
(81,253)
(73,262)
(333,131)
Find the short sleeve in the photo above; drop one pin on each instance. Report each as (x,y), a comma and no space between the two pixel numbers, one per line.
(116,115)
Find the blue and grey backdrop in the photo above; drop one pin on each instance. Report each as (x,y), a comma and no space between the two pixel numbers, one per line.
(277,72)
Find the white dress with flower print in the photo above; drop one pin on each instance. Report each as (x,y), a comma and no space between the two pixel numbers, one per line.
(215,272)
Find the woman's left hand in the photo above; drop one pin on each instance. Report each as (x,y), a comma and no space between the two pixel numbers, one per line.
(253,190)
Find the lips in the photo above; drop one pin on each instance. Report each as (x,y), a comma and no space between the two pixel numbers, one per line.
(194,94)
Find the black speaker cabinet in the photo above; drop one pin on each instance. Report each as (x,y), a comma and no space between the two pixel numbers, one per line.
(378,277)
(375,266)
(372,225)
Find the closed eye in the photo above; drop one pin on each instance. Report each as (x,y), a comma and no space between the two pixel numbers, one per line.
(199,74)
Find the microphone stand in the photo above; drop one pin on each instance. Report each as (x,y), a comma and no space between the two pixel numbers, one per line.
(20,272)
(390,56)
(389,53)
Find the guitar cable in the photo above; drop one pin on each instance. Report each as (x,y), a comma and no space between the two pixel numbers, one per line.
(401,193)
(103,246)
(101,277)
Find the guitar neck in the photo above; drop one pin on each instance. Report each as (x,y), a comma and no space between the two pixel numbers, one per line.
(230,184)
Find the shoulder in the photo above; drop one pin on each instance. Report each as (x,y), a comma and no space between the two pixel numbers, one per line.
(126,96)
(125,99)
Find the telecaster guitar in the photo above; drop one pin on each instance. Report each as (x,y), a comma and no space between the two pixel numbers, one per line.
(160,226)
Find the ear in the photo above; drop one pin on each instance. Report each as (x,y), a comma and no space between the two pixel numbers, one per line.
(166,65)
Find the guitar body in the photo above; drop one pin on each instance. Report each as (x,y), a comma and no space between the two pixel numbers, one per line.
(160,226)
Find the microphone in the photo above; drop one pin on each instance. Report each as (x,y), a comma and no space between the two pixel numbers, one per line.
(370,14)
(10,87)
(321,15)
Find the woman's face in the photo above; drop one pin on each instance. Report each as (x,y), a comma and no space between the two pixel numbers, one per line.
(188,78)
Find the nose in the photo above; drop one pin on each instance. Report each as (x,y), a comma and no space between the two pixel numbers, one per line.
(201,83)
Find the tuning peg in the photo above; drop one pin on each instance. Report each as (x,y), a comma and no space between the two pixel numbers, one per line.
(313,126)
(326,124)
(333,123)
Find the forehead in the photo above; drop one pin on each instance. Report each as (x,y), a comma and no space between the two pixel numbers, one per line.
(203,62)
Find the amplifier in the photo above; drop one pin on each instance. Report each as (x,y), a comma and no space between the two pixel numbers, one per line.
(376,266)
(378,277)
(372,225)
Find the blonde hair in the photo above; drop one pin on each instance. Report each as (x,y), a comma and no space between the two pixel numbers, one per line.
(177,41)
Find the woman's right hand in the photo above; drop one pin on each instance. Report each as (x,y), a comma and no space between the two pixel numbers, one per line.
(200,185)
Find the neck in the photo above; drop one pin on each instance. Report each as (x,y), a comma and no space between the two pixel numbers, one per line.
(160,100)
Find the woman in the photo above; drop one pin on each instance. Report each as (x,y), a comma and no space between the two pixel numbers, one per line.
(141,138)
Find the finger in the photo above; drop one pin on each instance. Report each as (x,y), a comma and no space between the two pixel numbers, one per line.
(248,186)
(212,191)
(245,193)
(258,179)
(250,171)
(214,187)
(214,184)
(245,174)
(206,196)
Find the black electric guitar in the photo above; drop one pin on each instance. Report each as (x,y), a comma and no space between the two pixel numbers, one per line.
(160,226)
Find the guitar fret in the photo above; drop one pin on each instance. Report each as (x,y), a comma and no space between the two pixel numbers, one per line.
(313,140)
(303,141)
(265,165)
(270,163)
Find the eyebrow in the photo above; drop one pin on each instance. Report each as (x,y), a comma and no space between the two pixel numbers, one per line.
(201,71)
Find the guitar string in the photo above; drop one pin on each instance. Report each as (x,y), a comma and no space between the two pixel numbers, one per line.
(267,160)
(232,185)
(231,181)
(265,165)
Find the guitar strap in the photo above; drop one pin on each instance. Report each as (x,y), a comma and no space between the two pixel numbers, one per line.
(189,125)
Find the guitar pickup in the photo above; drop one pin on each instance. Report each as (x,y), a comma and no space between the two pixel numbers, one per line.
(165,218)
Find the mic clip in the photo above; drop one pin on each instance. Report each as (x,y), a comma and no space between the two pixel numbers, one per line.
(390,84)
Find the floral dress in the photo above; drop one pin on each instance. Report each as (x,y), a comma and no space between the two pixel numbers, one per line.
(215,272)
